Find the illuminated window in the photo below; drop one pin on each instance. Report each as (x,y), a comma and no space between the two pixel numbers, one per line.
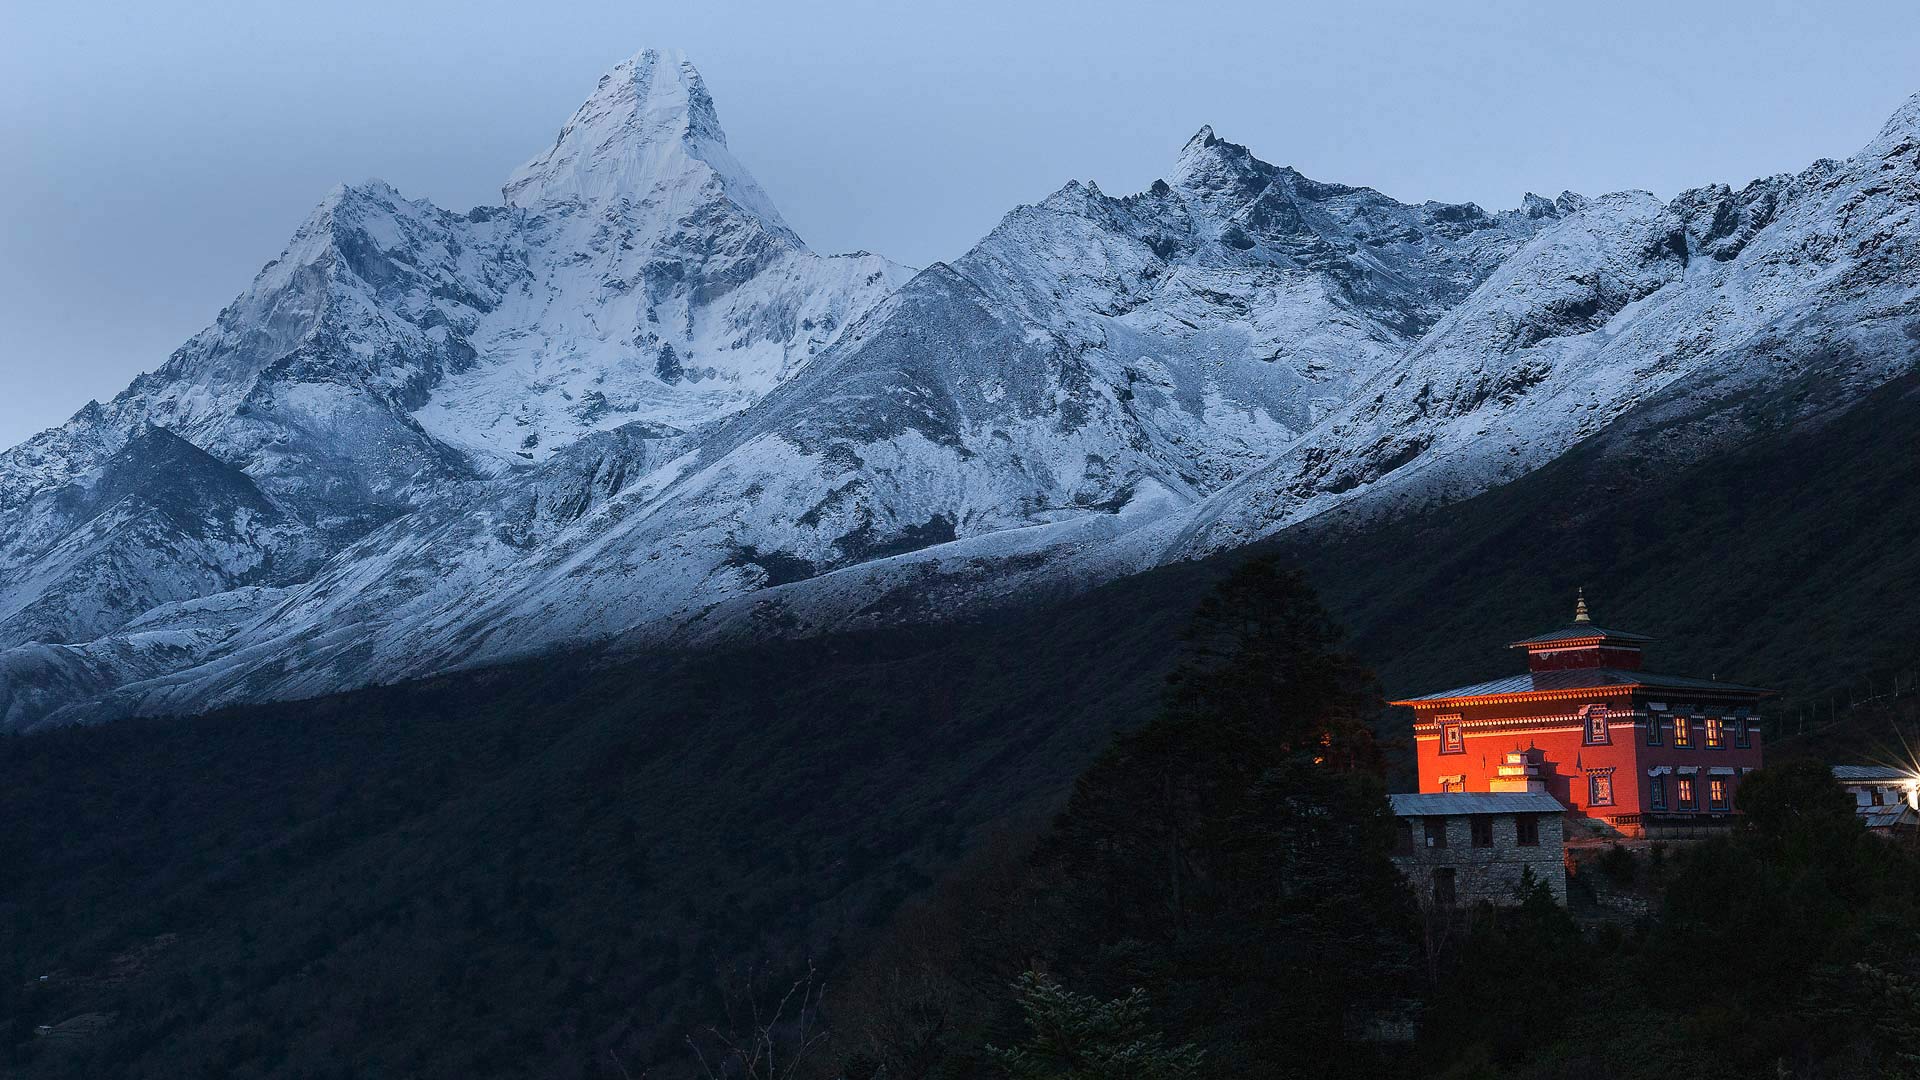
(1717,792)
(1597,724)
(1451,741)
(1658,801)
(1482,830)
(1682,733)
(1716,732)
(1526,830)
(1600,788)
(1683,792)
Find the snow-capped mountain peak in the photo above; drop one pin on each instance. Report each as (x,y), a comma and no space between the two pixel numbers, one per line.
(1215,170)
(633,405)
(1904,121)
(393,353)
(649,128)
(660,282)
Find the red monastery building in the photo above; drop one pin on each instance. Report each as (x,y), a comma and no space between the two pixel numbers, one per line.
(1589,726)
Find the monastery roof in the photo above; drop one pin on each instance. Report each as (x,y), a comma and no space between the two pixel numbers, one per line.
(1581,629)
(1438,804)
(1581,632)
(1536,682)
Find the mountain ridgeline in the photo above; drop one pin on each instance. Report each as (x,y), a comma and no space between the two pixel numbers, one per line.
(630,406)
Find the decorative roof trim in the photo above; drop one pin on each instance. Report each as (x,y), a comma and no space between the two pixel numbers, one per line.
(1544,644)
(1499,732)
(1536,695)
(1574,719)
(1583,634)
(1727,689)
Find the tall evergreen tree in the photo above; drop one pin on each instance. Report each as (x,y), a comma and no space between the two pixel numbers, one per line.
(1230,855)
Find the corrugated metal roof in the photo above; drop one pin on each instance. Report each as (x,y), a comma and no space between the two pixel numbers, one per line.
(1870,772)
(1886,817)
(1439,804)
(1584,679)
(1579,631)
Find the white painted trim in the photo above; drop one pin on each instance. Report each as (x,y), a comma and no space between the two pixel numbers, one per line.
(1467,732)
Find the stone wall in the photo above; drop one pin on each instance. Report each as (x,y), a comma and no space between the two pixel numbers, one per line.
(1486,873)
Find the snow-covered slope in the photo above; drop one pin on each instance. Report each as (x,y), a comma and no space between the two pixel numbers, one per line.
(304,382)
(1093,357)
(395,354)
(161,521)
(1696,310)
(644,412)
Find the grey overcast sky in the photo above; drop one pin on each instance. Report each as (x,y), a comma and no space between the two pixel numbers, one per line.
(153,155)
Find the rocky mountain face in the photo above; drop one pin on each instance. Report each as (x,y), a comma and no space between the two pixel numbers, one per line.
(630,405)
(397,357)
(1716,316)
(658,284)
(160,521)
(304,383)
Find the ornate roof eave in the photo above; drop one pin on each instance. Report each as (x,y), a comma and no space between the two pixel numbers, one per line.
(1731,690)
(1618,641)
(1525,695)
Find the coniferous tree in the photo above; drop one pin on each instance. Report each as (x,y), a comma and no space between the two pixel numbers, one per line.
(1078,1037)
(1230,855)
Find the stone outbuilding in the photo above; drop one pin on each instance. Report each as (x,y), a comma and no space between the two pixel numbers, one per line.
(1460,848)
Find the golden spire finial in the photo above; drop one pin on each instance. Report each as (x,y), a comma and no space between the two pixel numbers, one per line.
(1580,607)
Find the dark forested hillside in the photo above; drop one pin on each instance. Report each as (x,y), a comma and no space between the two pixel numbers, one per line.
(513,872)
(557,869)
(1786,562)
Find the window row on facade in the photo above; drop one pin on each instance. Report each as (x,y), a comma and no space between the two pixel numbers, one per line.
(1680,729)
(1687,791)
(1671,793)
(1526,829)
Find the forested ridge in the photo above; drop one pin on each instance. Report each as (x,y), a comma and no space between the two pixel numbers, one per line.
(571,867)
